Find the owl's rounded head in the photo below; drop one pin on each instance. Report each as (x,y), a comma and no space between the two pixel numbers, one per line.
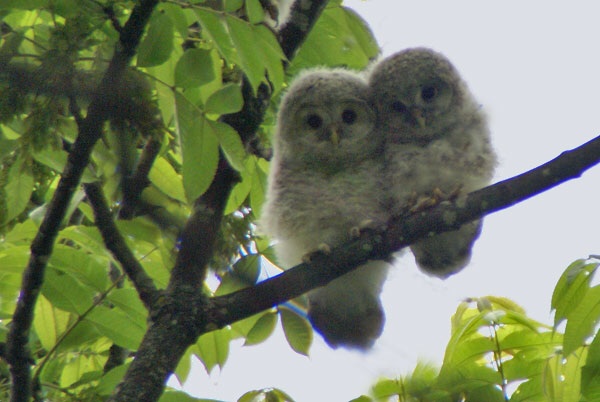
(325,119)
(418,95)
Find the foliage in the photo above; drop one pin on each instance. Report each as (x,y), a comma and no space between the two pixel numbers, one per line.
(497,353)
(186,75)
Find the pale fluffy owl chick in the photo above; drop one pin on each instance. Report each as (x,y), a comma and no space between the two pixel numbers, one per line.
(437,144)
(325,181)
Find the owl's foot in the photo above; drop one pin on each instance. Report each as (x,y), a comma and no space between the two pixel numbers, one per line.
(355,231)
(437,196)
(322,248)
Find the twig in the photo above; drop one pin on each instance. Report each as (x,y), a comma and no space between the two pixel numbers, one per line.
(118,247)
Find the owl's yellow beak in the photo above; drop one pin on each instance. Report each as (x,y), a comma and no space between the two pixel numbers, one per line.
(418,116)
(335,135)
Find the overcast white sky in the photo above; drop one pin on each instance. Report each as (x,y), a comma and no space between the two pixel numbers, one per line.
(534,66)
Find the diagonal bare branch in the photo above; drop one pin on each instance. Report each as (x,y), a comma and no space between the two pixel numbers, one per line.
(401,232)
(115,243)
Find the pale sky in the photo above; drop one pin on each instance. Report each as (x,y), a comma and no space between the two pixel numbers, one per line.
(534,66)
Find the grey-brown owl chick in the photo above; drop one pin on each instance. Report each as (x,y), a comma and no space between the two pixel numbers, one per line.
(436,139)
(325,180)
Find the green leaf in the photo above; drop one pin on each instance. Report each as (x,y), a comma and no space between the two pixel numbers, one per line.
(213,348)
(336,40)
(254,11)
(250,57)
(213,26)
(66,293)
(582,321)
(157,45)
(116,326)
(226,100)
(128,301)
(199,146)
(194,69)
(166,179)
(297,330)
(13,260)
(590,373)
(180,396)
(18,189)
(273,56)
(248,268)
(87,269)
(230,142)
(109,381)
(571,288)
(262,329)
(49,323)
(259,185)
(232,5)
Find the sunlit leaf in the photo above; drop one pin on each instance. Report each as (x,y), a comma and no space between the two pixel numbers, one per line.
(213,348)
(297,330)
(49,323)
(254,11)
(194,69)
(262,329)
(226,100)
(18,189)
(199,146)
(116,326)
(157,45)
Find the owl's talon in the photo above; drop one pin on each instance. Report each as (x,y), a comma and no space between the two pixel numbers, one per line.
(355,231)
(322,248)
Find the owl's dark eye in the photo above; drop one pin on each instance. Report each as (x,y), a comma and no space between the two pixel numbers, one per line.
(349,116)
(398,107)
(428,93)
(314,121)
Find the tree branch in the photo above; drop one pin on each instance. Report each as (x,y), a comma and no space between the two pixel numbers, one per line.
(90,131)
(401,232)
(116,245)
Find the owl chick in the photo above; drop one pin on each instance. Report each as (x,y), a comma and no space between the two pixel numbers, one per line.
(437,145)
(325,180)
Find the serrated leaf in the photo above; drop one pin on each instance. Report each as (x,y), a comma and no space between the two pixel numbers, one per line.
(248,268)
(571,288)
(13,260)
(245,40)
(213,348)
(167,180)
(262,329)
(213,26)
(273,56)
(230,142)
(298,332)
(157,45)
(194,69)
(590,373)
(232,5)
(110,380)
(128,301)
(116,326)
(199,147)
(49,323)
(18,189)
(254,11)
(66,293)
(582,321)
(259,186)
(226,100)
